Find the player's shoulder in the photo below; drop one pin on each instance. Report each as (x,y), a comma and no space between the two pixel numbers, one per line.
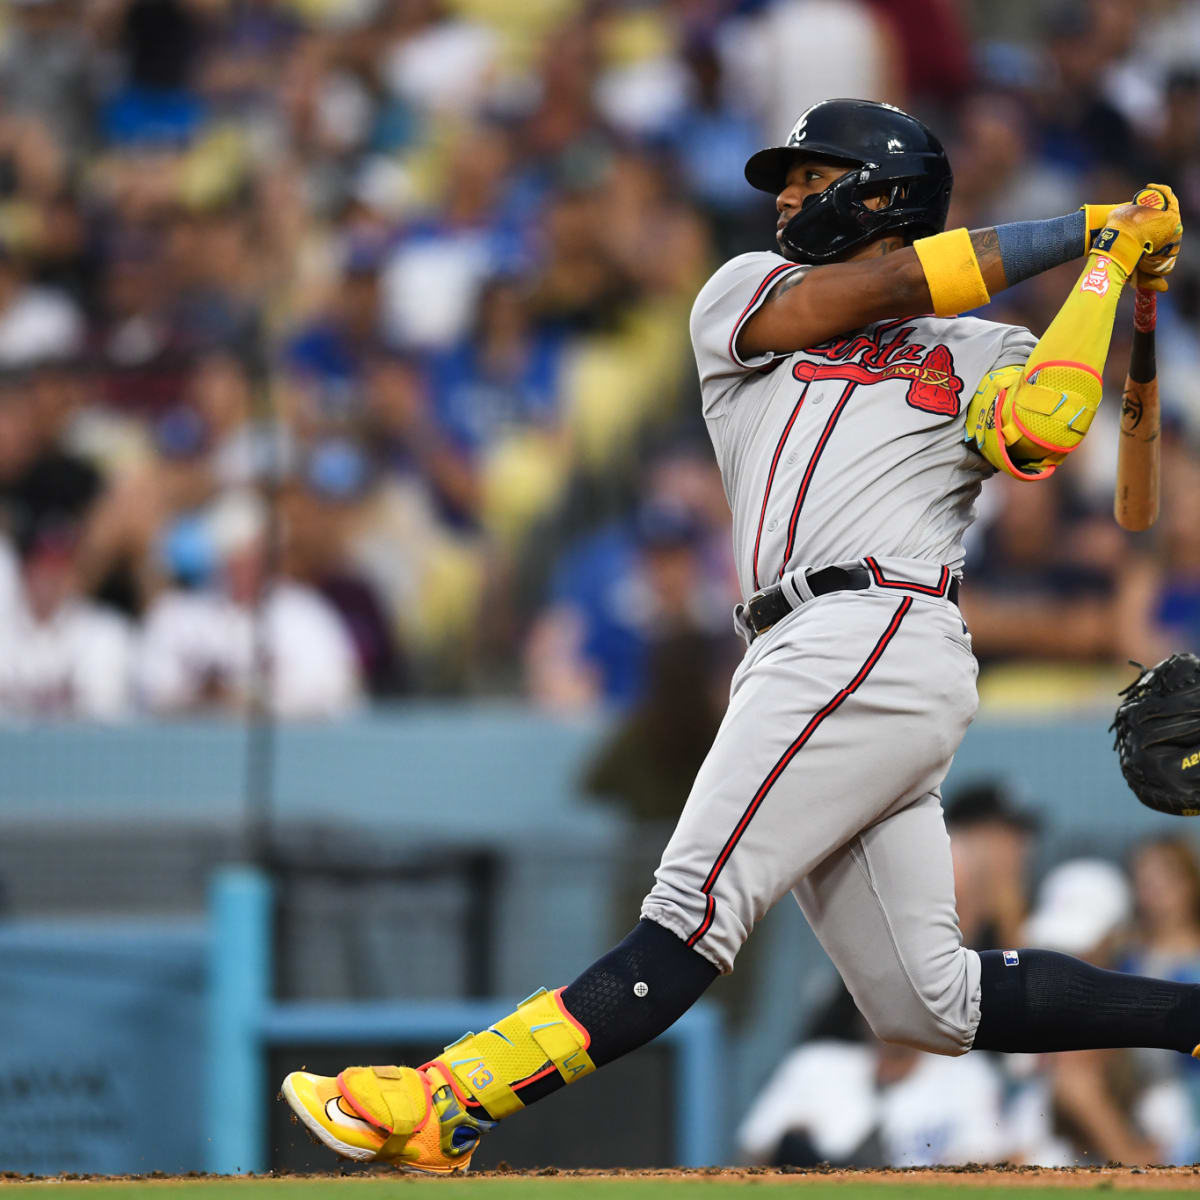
(978,343)
(744,274)
(966,329)
(750,262)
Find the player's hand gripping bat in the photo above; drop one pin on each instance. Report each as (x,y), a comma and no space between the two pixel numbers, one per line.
(1135,497)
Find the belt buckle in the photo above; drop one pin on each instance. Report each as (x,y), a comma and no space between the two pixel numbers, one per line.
(751,611)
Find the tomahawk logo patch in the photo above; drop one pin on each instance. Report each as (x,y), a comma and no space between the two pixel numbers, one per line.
(888,354)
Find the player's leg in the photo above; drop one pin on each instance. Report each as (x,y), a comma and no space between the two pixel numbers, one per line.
(1036,1001)
(431,1118)
(802,761)
(883,908)
(855,715)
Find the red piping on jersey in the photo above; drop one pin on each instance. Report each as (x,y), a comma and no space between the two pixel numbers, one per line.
(880,581)
(710,908)
(808,474)
(787,756)
(783,437)
(774,274)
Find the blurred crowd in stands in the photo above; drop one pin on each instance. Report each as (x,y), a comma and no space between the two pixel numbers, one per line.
(842,1097)
(343,343)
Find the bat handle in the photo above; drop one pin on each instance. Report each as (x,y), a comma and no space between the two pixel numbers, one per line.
(1142,367)
(1145,310)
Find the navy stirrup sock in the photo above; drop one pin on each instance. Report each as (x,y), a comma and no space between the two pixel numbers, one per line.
(620,1015)
(1037,1001)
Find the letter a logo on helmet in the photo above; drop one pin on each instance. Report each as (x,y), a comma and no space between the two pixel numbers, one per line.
(897,158)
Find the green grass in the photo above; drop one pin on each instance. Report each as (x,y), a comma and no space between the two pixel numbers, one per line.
(483,1188)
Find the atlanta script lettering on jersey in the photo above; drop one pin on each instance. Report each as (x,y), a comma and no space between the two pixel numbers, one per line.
(886,353)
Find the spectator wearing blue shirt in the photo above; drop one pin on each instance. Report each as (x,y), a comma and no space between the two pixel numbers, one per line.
(611,598)
(504,375)
(330,350)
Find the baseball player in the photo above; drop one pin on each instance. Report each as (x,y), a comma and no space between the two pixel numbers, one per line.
(854,418)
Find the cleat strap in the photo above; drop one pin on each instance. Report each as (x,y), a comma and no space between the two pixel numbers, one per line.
(389,1105)
(407,1116)
(475,1060)
(562,1039)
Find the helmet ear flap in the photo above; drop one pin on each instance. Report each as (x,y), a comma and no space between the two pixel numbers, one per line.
(839,219)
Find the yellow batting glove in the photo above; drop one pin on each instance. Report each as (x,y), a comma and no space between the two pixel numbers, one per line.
(1152,268)
(1144,236)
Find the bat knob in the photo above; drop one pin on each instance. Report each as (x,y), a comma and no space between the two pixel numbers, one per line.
(1152,198)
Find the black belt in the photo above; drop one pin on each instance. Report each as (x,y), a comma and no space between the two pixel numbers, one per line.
(771,604)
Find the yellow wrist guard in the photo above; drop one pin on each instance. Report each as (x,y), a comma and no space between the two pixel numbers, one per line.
(1095,219)
(952,272)
(1121,246)
(541,1036)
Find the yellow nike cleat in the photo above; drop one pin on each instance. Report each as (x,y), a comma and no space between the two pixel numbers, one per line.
(413,1117)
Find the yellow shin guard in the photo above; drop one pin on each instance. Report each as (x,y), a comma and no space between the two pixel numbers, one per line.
(541,1036)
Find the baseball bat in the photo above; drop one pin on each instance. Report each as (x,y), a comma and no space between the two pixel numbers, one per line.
(1135,497)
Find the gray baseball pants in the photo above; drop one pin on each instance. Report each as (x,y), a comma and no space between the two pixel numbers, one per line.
(823,780)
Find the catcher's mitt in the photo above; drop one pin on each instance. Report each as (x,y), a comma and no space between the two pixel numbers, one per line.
(1158,735)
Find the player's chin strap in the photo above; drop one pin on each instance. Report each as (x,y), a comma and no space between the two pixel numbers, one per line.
(540,1037)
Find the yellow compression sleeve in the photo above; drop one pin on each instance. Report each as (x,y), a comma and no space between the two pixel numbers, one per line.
(952,272)
(1026,419)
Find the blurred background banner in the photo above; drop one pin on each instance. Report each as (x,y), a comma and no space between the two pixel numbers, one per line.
(105,1023)
(358,523)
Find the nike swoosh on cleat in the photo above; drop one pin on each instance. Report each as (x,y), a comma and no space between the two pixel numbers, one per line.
(337,1115)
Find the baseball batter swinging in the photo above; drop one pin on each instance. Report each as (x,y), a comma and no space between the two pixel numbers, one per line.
(853,432)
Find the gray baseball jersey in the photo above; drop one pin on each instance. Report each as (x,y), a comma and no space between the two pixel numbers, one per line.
(854,447)
(845,715)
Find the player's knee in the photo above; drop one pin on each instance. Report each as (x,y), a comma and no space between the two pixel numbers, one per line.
(919,1029)
(933,1009)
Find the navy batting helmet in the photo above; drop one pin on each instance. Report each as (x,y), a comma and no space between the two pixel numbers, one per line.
(896,157)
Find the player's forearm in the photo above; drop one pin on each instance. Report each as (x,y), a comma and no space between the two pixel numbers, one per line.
(964,270)
(946,274)
(1082,328)
(844,296)
(1026,419)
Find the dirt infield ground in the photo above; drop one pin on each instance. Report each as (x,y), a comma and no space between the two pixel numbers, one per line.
(551,1184)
